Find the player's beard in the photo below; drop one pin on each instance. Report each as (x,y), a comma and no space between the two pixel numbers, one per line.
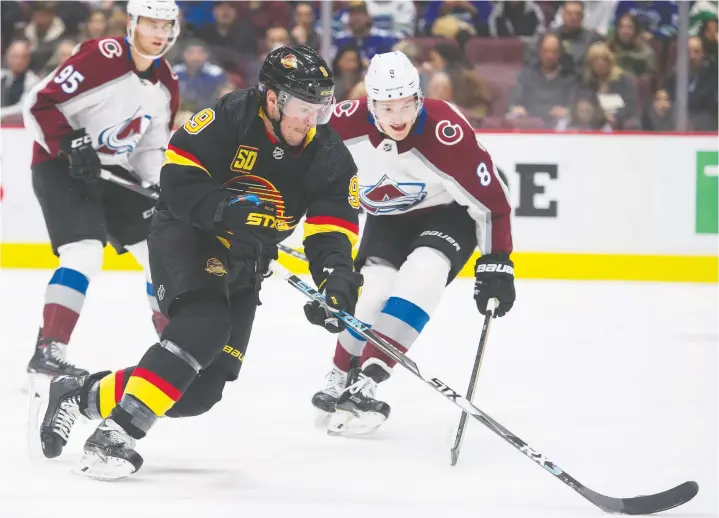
(294,133)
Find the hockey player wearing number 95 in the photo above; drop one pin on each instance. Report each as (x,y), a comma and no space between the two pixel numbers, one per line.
(237,179)
(110,105)
(432,194)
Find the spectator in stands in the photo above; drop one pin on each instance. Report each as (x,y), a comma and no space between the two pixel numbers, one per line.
(632,53)
(264,14)
(545,90)
(471,93)
(62,52)
(228,32)
(96,27)
(702,88)
(585,114)
(199,79)
(304,32)
(44,31)
(657,19)
(659,115)
(362,34)
(701,12)
(513,19)
(118,23)
(17,80)
(440,87)
(470,16)
(617,92)
(394,16)
(347,70)
(708,37)
(10,18)
(598,16)
(276,37)
(575,38)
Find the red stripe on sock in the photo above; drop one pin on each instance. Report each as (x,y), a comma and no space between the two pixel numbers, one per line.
(171,392)
(370,351)
(119,385)
(58,322)
(342,358)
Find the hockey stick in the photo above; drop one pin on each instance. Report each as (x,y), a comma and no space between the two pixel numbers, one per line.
(454,452)
(151,193)
(638,505)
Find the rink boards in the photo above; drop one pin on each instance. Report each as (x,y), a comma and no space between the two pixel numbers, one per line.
(594,207)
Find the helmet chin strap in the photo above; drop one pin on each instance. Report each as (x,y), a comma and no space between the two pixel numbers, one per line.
(276,126)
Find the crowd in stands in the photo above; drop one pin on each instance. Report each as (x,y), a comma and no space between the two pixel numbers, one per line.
(565,66)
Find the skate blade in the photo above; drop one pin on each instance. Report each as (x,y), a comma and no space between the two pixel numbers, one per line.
(107,469)
(347,424)
(38,391)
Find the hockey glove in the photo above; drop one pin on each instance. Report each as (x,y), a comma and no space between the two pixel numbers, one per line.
(494,279)
(341,290)
(84,162)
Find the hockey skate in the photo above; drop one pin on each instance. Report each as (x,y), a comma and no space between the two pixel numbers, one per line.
(357,412)
(49,359)
(326,398)
(109,453)
(63,399)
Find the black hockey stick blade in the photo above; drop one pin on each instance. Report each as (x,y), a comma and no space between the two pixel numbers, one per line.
(639,505)
(153,194)
(648,504)
(473,379)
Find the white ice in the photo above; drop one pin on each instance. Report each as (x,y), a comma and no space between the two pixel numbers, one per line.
(615,382)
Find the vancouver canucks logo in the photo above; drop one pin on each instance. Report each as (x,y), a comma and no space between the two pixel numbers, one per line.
(122,137)
(388,196)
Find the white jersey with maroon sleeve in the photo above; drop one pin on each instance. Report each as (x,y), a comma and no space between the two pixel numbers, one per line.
(129,118)
(439,163)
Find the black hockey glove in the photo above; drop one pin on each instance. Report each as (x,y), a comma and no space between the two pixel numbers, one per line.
(341,290)
(84,162)
(494,279)
(252,223)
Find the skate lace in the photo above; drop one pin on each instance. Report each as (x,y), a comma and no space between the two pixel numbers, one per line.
(364,385)
(117,435)
(65,417)
(334,378)
(57,351)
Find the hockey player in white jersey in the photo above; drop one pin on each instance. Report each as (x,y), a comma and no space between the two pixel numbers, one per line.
(432,195)
(110,105)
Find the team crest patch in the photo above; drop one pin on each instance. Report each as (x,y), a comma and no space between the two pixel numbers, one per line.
(289,61)
(447,133)
(215,267)
(388,196)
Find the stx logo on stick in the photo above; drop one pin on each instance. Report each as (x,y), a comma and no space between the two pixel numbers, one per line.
(444,389)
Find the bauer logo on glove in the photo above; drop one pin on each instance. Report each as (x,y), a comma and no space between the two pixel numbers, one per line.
(494,279)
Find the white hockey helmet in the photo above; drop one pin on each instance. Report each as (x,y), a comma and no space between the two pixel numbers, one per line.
(392,76)
(159,10)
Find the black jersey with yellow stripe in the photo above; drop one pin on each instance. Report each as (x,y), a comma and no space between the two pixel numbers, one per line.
(225,150)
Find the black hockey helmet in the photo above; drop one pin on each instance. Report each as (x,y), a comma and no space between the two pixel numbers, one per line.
(300,72)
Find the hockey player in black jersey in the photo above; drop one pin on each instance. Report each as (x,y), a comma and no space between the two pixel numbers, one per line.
(237,179)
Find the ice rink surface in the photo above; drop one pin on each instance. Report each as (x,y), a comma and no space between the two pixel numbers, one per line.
(615,382)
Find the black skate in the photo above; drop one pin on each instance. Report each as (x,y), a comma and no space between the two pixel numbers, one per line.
(357,412)
(63,409)
(109,453)
(49,359)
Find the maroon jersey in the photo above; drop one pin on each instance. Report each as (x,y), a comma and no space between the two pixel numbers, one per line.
(98,88)
(439,163)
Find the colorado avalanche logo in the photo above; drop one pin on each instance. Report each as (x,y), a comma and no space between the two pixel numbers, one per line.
(388,196)
(447,133)
(123,137)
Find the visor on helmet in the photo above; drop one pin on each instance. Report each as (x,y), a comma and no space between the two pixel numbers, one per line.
(316,114)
